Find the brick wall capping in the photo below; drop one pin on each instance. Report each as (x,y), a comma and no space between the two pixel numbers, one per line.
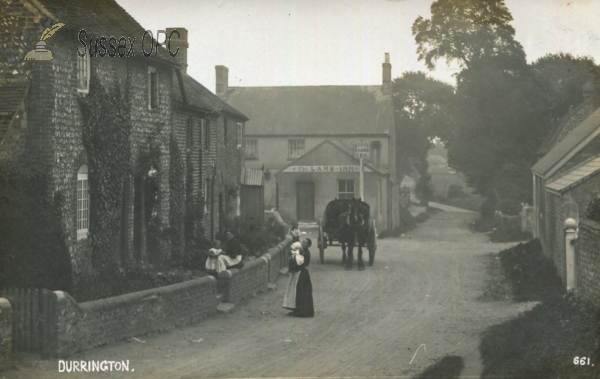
(247,265)
(118,301)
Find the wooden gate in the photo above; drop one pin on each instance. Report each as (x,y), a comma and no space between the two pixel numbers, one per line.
(33,319)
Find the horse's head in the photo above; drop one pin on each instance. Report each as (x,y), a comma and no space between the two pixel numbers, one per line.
(356,218)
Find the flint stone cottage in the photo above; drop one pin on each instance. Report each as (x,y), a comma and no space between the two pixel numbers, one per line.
(305,138)
(565,180)
(185,161)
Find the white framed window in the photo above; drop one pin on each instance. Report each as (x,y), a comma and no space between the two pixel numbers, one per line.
(189,131)
(205,126)
(240,135)
(152,88)
(83,203)
(345,189)
(83,73)
(251,149)
(295,148)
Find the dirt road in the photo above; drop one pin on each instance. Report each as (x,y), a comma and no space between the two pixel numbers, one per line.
(422,293)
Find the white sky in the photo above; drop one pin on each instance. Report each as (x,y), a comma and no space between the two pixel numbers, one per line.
(341,42)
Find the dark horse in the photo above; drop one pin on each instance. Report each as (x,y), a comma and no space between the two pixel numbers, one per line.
(353,231)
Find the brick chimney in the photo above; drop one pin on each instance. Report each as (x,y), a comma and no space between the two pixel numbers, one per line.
(180,42)
(386,87)
(222,76)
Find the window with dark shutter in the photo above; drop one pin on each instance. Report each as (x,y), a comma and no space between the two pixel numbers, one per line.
(152,88)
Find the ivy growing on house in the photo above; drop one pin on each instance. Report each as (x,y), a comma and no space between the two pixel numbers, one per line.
(592,211)
(106,138)
(176,186)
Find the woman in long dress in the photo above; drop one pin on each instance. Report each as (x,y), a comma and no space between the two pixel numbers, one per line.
(298,295)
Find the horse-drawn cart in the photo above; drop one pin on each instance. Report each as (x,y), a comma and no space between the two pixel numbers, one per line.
(346,222)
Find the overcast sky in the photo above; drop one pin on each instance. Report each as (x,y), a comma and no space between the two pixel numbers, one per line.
(341,42)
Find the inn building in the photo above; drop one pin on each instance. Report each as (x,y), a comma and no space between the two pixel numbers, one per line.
(309,141)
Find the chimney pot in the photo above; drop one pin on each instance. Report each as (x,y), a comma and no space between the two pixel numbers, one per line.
(180,42)
(222,79)
(386,87)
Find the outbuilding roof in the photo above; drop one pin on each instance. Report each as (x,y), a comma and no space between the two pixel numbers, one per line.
(252,177)
(314,110)
(576,175)
(572,143)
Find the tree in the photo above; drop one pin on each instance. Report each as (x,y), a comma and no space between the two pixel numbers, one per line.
(421,107)
(501,118)
(561,77)
(465,30)
(500,112)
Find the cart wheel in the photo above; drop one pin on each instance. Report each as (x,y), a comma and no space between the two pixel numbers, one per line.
(322,243)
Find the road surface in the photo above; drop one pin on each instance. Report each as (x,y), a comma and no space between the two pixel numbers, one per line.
(419,304)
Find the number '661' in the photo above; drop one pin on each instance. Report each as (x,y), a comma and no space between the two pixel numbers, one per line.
(583,361)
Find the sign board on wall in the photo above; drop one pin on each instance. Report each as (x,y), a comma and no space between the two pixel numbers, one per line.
(326,169)
(362,151)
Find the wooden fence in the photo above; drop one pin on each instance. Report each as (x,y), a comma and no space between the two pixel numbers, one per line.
(32,319)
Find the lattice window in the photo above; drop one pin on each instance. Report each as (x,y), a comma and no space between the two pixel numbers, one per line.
(83,73)
(345,189)
(295,148)
(251,149)
(83,202)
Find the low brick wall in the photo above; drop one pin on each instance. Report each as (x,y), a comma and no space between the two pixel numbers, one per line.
(587,261)
(277,257)
(238,284)
(5,334)
(84,326)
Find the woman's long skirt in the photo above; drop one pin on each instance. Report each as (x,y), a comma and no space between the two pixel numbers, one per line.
(298,295)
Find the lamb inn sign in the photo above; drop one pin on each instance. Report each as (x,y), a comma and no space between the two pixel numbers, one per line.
(326,169)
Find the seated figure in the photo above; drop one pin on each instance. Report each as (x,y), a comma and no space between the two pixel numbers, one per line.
(219,260)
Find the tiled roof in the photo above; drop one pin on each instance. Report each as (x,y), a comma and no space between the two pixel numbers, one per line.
(12,93)
(201,97)
(569,122)
(322,110)
(575,175)
(571,142)
(101,18)
(252,177)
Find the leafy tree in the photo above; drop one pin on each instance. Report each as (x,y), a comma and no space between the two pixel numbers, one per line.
(501,119)
(421,106)
(463,31)
(561,77)
(33,248)
(500,111)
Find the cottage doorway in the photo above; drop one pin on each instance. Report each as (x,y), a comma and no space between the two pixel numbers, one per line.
(305,201)
(146,224)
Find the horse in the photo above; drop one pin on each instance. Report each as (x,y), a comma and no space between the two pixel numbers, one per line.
(353,231)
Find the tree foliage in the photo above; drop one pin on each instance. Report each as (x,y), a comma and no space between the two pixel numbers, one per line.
(33,250)
(421,106)
(562,77)
(463,31)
